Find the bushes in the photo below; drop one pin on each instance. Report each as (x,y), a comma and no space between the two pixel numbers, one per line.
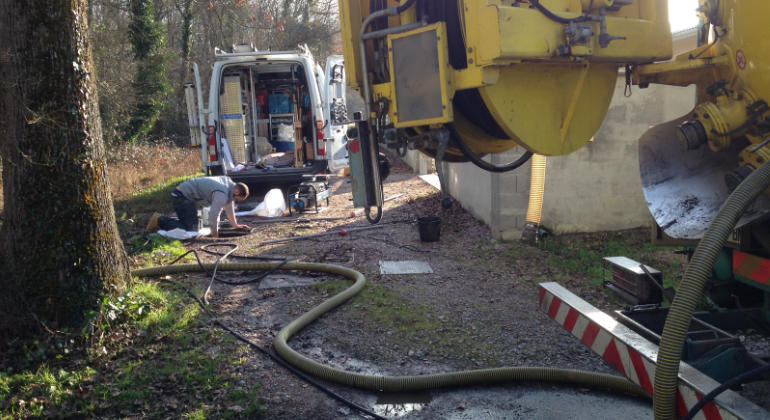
(133,167)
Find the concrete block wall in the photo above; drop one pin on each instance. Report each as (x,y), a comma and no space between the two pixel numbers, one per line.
(512,196)
(597,188)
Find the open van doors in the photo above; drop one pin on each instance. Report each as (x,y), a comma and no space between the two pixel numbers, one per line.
(195,113)
(335,113)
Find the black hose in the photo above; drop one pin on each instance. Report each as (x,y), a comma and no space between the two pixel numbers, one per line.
(553,16)
(738,380)
(467,152)
(205,248)
(402,8)
(377,218)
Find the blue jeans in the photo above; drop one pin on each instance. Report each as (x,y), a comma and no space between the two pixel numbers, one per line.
(187,216)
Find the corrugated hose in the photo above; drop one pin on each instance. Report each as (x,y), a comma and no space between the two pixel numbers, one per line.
(691,288)
(393,383)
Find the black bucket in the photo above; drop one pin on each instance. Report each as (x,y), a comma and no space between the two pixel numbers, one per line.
(430,228)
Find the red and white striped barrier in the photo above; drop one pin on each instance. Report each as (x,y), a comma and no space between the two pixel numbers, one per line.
(634,356)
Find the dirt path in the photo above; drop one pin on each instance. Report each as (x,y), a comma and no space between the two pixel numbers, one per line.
(477,309)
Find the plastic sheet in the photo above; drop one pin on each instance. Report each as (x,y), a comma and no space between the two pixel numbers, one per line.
(274,205)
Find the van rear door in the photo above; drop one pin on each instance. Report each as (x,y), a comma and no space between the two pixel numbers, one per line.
(335,113)
(195,114)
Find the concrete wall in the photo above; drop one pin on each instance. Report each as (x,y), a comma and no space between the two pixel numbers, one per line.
(598,188)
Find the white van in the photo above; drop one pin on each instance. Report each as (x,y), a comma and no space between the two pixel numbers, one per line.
(335,109)
(267,122)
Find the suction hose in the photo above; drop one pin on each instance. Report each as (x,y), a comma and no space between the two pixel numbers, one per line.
(536,192)
(691,287)
(393,383)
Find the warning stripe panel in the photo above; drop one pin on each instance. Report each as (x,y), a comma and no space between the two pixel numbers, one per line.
(570,319)
(637,367)
(642,377)
(751,267)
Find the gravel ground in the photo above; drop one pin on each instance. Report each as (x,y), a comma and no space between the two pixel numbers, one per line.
(478,309)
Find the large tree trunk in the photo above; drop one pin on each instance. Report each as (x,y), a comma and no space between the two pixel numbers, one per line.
(60,251)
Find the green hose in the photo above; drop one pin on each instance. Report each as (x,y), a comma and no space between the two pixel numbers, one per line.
(691,288)
(394,383)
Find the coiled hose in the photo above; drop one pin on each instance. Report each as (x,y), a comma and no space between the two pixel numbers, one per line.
(393,383)
(691,288)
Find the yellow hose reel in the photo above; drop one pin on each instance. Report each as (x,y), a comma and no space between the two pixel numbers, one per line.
(504,73)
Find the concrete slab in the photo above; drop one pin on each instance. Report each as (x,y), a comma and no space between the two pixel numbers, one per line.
(405,267)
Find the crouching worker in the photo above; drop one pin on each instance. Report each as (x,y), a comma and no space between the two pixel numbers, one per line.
(218,192)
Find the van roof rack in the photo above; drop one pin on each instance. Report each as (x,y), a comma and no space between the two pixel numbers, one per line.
(219,53)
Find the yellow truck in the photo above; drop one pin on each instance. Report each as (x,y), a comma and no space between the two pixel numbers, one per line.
(458,79)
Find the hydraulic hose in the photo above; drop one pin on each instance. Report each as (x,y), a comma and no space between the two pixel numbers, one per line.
(481,163)
(692,285)
(402,8)
(553,16)
(393,383)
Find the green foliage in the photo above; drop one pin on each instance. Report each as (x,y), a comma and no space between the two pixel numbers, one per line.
(129,306)
(145,34)
(150,81)
(175,347)
(155,358)
(32,394)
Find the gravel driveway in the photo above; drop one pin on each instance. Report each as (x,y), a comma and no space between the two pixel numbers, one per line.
(477,309)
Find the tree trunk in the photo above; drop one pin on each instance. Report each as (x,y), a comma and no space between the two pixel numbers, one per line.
(59,243)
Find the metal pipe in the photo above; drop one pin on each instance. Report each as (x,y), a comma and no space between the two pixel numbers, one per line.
(393,30)
(375,170)
(442,136)
(362,37)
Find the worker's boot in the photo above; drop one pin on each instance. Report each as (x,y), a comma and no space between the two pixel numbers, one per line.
(152,225)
